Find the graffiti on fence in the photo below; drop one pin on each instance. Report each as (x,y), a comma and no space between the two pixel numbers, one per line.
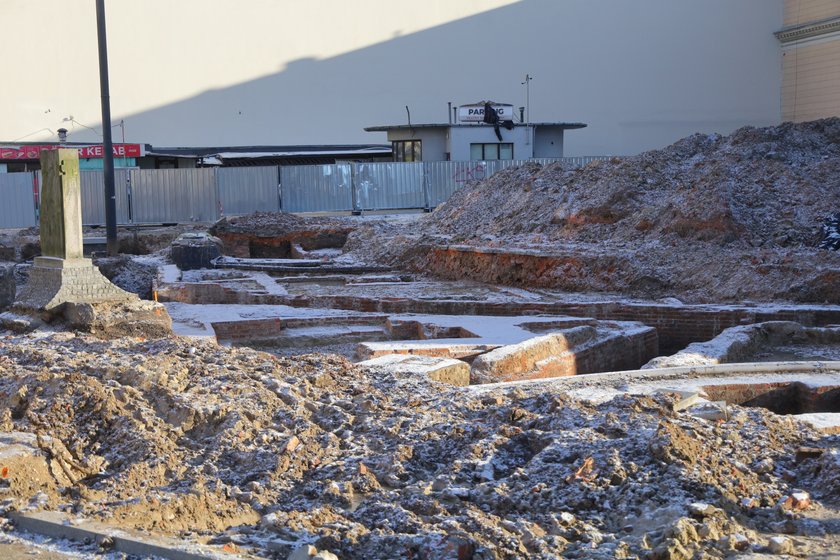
(474,173)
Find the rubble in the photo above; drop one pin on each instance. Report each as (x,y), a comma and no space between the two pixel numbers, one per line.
(831,233)
(188,438)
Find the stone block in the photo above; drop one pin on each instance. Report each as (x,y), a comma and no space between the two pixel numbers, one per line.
(8,286)
(192,251)
(442,370)
(61,204)
(369,350)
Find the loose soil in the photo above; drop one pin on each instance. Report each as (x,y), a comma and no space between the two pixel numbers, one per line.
(234,445)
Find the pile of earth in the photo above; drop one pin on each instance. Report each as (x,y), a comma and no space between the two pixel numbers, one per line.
(759,187)
(266,454)
(710,218)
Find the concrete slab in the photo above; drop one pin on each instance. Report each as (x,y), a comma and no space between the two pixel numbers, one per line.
(61,526)
(444,370)
(368,350)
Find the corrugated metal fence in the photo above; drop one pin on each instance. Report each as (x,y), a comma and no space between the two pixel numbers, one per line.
(314,188)
(17,192)
(244,189)
(205,195)
(93,196)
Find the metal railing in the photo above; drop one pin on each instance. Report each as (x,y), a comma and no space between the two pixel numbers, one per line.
(205,195)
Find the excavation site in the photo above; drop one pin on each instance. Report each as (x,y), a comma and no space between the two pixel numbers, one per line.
(636,358)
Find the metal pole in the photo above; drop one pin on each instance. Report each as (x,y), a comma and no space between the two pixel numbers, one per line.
(107,142)
(527,84)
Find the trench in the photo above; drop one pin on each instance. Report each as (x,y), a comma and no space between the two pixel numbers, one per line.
(790,398)
(318,284)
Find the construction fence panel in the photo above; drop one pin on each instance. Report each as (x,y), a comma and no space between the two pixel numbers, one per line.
(174,195)
(443,178)
(316,188)
(17,194)
(243,190)
(202,195)
(93,196)
(388,186)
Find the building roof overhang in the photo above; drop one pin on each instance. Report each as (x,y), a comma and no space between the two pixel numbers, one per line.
(253,152)
(386,128)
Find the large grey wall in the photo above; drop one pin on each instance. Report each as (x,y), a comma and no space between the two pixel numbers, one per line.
(641,73)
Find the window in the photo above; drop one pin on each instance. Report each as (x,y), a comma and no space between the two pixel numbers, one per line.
(481,152)
(407,150)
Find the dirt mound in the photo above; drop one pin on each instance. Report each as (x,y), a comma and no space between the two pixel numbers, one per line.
(757,187)
(710,218)
(179,436)
(269,223)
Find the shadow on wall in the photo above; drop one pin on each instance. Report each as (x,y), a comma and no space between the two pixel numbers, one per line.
(641,74)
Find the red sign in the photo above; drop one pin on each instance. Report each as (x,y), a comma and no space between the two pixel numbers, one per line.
(95,151)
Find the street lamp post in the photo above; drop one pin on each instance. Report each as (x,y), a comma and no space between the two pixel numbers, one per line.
(107,142)
(527,84)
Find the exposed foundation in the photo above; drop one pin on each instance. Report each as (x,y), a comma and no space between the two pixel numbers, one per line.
(572,336)
(677,325)
(781,397)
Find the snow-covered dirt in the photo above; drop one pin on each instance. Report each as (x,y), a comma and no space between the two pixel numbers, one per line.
(189,438)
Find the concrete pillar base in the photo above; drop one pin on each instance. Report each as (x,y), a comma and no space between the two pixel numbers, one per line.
(74,292)
(54,281)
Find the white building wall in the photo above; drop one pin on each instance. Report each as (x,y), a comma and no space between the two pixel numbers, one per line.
(548,142)
(433,141)
(214,72)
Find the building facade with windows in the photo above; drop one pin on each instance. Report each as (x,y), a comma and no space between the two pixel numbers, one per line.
(810,41)
(475,141)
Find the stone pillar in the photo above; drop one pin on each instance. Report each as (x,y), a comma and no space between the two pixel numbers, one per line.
(63,284)
(62,274)
(61,205)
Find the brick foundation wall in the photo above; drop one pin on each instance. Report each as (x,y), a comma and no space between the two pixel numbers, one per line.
(262,329)
(615,353)
(677,326)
